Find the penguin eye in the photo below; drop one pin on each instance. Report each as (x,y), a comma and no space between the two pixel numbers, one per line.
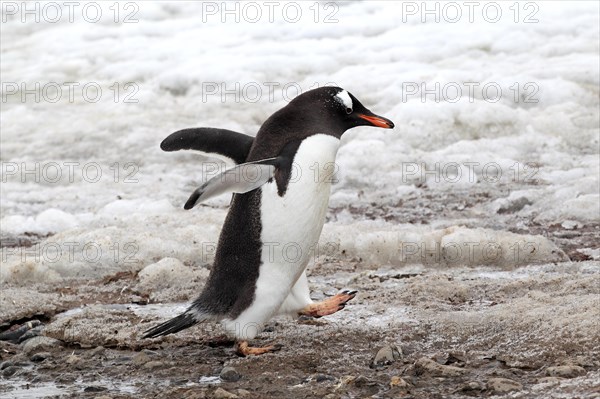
(348,110)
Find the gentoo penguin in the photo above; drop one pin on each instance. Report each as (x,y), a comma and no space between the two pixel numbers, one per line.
(281,184)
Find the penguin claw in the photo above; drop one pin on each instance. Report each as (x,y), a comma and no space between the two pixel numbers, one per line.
(349,292)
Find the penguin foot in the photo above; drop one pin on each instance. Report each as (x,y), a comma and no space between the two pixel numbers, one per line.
(329,305)
(243,349)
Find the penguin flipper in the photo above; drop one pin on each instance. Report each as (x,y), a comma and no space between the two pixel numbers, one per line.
(221,142)
(239,179)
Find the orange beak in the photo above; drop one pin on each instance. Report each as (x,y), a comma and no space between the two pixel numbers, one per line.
(377,121)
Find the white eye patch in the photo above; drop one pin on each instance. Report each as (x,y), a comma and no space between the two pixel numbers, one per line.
(345,99)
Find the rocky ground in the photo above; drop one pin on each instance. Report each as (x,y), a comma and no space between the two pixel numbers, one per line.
(412,333)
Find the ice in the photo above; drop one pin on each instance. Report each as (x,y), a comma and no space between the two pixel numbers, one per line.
(168,275)
(386,244)
(163,273)
(48,221)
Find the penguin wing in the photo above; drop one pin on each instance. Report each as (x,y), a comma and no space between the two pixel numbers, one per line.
(239,179)
(225,143)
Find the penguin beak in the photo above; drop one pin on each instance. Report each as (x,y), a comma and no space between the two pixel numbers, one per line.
(376,120)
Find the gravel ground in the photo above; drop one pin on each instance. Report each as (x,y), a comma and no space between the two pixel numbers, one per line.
(413,331)
(436,333)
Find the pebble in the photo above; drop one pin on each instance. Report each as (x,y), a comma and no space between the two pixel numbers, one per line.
(570,224)
(368,386)
(73,359)
(345,381)
(94,388)
(10,370)
(447,358)
(242,393)
(6,364)
(155,364)
(220,393)
(140,359)
(398,382)
(515,205)
(15,335)
(362,381)
(566,371)
(123,359)
(34,332)
(97,351)
(550,380)
(472,386)
(503,385)
(39,343)
(323,377)
(40,356)
(229,374)
(428,366)
(386,356)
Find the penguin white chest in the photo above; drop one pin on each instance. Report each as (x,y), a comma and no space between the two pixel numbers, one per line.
(291,226)
(292,223)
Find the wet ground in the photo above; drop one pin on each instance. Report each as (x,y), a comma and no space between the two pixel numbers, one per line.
(444,333)
(411,332)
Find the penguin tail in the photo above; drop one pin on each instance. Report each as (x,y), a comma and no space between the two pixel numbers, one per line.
(181,322)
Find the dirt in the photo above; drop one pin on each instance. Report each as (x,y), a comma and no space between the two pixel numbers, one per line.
(464,332)
(457,331)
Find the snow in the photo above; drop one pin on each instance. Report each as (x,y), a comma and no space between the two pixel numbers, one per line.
(378,243)
(92,172)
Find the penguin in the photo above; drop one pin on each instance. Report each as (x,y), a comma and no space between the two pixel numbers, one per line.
(281,183)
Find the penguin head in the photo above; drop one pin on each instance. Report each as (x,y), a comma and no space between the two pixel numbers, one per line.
(337,110)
